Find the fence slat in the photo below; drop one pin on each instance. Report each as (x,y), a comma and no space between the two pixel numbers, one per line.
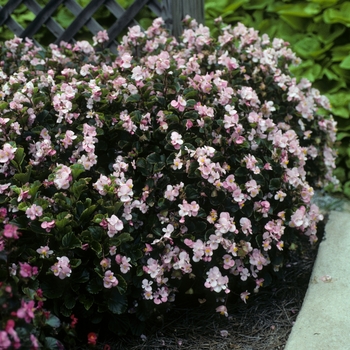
(51,24)
(125,19)
(7,10)
(41,18)
(172,12)
(155,7)
(14,26)
(181,8)
(80,21)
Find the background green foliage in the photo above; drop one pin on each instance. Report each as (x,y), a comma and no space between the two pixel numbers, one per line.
(319,32)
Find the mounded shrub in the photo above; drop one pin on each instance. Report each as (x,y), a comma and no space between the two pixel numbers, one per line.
(174,167)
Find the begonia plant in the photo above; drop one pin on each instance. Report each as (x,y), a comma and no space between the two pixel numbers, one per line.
(176,166)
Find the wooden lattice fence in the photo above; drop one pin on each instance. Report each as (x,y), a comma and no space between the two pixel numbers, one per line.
(172,12)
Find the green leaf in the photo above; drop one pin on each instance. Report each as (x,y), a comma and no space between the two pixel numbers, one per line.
(85,215)
(53,343)
(345,64)
(69,300)
(97,232)
(154,158)
(78,187)
(19,157)
(96,247)
(133,98)
(83,277)
(275,184)
(23,178)
(76,169)
(338,15)
(94,286)
(70,240)
(117,303)
(52,287)
(87,300)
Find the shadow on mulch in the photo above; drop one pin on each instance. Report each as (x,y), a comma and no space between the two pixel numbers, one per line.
(264,323)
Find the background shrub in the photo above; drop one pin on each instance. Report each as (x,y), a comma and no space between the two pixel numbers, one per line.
(172,168)
(318,32)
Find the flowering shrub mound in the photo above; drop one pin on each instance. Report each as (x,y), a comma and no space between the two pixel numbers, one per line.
(171,168)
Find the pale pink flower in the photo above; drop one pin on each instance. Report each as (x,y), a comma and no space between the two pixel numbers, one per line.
(34,211)
(61,268)
(63,176)
(222,309)
(110,280)
(105,263)
(114,225)
(100,37)
(225,224)
(44,252)
(245,296)
(48,225)
(176,140)
(7,153)
(179,104)
(246,226)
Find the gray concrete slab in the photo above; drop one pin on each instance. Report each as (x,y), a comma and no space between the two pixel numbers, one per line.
(323,322)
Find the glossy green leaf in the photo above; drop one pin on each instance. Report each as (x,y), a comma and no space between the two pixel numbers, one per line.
(95,285)
(87,300)
(70,240)
(345,63)
(117,303)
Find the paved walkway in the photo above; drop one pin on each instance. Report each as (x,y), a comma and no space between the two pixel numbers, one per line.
(324,320)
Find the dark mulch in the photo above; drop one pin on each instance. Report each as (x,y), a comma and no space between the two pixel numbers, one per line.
(263,324)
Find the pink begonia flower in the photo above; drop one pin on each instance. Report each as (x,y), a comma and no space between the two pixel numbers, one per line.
(147,287)
(27,271)
(245,296)
(110,280)
(246,226)
(298,218)
(180,104)
(114,225)
(216,281)
(101,184)
(48,225)
(188,209)
(7,153)
(34,211)
(10,329)
(100,37)
(228,261)
(176,140)
(125,265)
(225,224)
(44,252)
(35,342)
(5,342)
(68,139)
(62,177)
(105,263)
(61,268)
(26,311)
(125,192)
(10,231)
